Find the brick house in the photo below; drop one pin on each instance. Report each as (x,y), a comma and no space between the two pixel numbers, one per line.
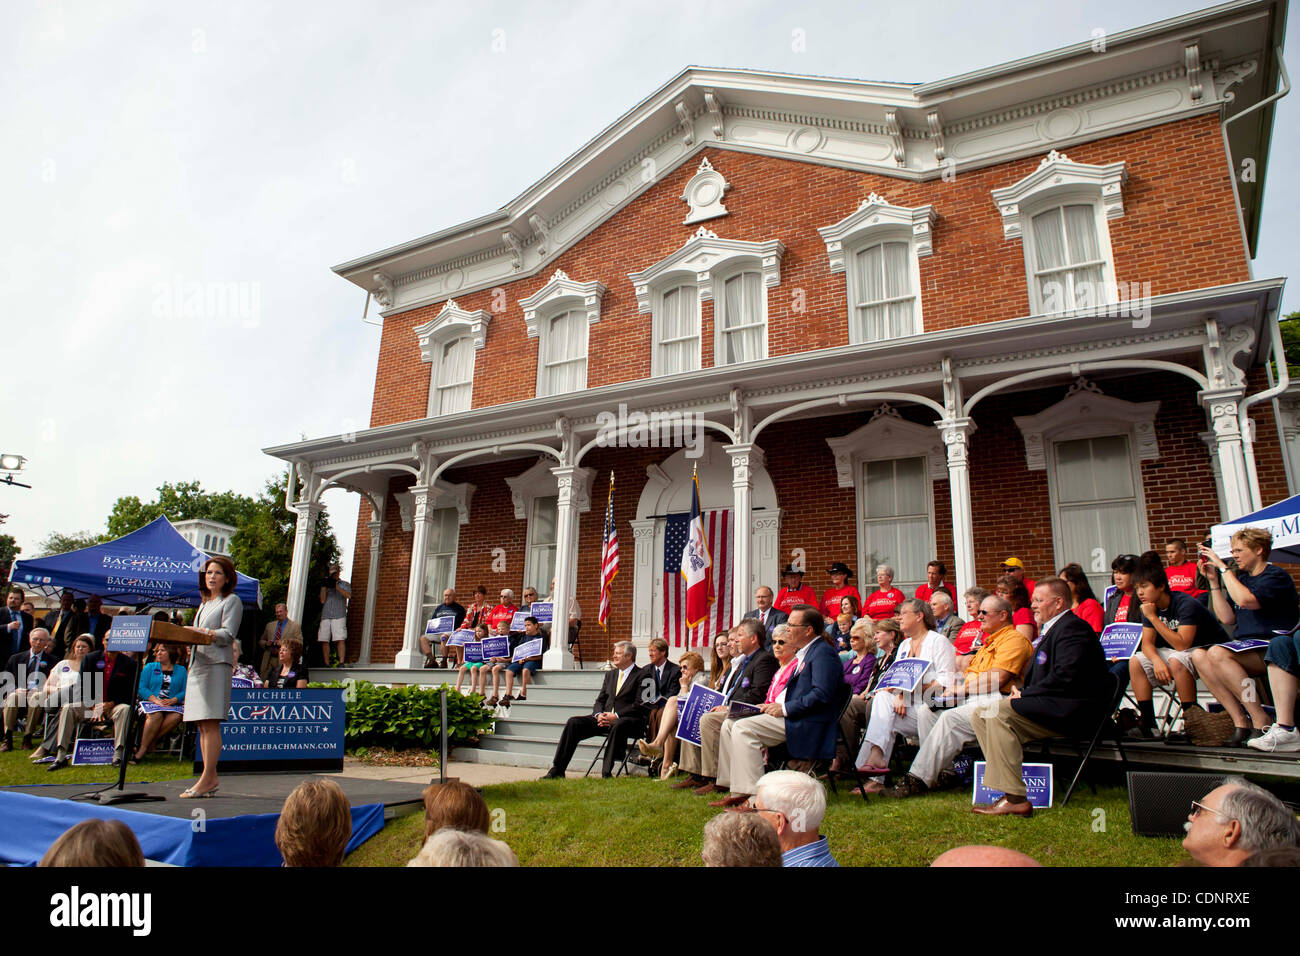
(1010,312)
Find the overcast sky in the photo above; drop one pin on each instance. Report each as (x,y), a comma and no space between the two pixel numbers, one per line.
(248,147)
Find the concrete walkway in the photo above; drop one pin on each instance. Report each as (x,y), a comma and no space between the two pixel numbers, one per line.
(474,774)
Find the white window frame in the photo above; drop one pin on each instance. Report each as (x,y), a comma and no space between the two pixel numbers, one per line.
(452,322)
(1053,483)
(530,562)
(720,333)
(560,295)
(869,573)
(455,550)
(538,481)
(874,222)
(1058,181)
(1106,259)
(690,295)
(704,262)
(438,384)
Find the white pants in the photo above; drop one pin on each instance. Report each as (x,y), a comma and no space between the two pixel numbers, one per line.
(884,723)
(943,735)
(740,750)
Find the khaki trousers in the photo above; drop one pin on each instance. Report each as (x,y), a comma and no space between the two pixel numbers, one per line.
(740,750)
(70,717)
(1002,736)
(703,760)
(34,699)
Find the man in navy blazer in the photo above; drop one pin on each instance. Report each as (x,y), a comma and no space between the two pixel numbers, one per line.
(803,715)
(766,614)
(1067,689)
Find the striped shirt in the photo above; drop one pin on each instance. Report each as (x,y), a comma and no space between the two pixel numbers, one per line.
(811,854)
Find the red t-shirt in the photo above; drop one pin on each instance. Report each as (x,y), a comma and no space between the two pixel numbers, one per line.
(966,636)
(1182,577)
(502,612)
(1092,612)
(1126,607)
(832,598)
(787,599)
(882,604)
(1025,616)
(925,592)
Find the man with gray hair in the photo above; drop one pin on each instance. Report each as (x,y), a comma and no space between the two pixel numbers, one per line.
(793,804)
(1236,820)
(946,621)
(740,839)
(27,672)
(620,712)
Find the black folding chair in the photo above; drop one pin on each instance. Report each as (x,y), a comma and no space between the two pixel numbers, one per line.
(620,770)
(1117,694)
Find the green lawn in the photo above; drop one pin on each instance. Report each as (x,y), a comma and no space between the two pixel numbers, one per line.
(638,822)
(16,770)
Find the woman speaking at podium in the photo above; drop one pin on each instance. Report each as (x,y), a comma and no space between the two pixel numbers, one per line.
(207,692)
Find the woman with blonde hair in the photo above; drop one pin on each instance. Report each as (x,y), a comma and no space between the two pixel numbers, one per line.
(95,842)
(720,665)
(315,825)
(665,743)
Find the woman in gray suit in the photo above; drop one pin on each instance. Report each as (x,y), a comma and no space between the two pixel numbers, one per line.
(207,691)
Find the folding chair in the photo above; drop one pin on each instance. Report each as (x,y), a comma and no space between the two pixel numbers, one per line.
(575,644)
(620,770)
(1116,696)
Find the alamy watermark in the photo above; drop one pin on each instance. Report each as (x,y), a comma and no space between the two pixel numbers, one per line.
(1118,299)
(191,299)
(636,429)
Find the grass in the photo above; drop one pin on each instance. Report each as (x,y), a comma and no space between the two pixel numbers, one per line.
(637,822)
(17,770)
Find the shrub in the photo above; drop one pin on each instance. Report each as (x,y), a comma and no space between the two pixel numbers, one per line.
(406,717)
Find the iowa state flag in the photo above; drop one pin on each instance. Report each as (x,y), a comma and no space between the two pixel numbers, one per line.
(696,563)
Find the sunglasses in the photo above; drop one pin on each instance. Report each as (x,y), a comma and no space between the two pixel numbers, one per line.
(780,643)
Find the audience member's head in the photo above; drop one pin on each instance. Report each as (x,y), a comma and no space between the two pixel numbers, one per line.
(456,805)
(752,627)
(740,839)
(1236,820)
(450,847)
(793,804)
(315,825)
(95,842)
(1279,856)
(983,856)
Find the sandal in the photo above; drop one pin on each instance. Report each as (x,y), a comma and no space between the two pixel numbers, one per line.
(871,771)
(191,795)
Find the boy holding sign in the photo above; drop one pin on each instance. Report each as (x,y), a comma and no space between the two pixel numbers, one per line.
(526,665)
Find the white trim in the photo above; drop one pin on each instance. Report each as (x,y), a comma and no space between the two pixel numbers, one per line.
(876,215)
(698,262)
(704,194)
(1058,175)
(450,323)
(719,317)
(562,294)
(1085,412)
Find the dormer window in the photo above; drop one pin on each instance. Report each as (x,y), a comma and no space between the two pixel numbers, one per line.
(558,315)
(448,343)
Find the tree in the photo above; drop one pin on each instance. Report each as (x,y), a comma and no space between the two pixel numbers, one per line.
(1290,327)
(179,502)
(8,551)
(56,543)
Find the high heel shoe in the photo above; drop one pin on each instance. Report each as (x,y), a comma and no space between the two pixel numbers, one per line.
(648,750)
(672,771)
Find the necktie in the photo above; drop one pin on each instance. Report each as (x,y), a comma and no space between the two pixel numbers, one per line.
(279,630)
(618,689)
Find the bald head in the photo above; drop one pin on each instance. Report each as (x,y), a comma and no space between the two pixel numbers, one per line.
(983,856)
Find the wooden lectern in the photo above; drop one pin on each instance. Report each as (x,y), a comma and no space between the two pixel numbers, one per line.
(165,632)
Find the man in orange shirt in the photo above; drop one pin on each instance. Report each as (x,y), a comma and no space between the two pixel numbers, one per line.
(999,664)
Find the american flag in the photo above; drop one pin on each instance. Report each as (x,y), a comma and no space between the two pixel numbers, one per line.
(608,558)
(719,530)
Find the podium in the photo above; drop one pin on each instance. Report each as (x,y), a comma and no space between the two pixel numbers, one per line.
(165,632)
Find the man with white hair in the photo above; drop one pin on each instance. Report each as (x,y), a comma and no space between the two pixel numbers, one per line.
(1236,820)
(946,621)
(794,804)
(619,712)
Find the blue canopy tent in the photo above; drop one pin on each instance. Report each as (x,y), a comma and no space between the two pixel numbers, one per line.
(1282,519)
(153,565)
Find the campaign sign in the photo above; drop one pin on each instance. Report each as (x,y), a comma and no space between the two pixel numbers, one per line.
(473,652)
(904,675)
(265,726)
(440,625)
(527,649)
(544,611)
(738,709)
(1105,597)
(148,708)
(93,750)
(495,647)
(698,703)
(460,638)
(1038,785)
(517,622)
(1119,641)
(242,682)
(129,633)
(1246,644)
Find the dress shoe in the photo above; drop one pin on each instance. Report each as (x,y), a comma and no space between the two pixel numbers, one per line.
(1243,735)
(1004,807)
(732,801)
(59,763)
(6,745)
(553,774)
(689,783)
(709,788)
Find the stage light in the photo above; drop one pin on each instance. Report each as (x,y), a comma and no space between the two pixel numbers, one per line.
(12,462)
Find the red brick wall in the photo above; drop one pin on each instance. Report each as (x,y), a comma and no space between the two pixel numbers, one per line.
(1178,205)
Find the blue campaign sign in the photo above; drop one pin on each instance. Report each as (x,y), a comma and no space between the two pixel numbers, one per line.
(440,625)
(459,638)
(496,647)
(738,709)
(1105,597)
(1119,641)
(93,750)
(473,652)
(544,611)
(129,633)
(1246,644)
(147,708)
(1038,779)
(904,675)
(517,622)
(528,649)
(292,724)
(698,703)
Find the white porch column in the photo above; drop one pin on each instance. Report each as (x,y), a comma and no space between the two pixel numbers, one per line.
(765,529)
(376,528)
(744,460)
(558,656)
(956,438)
(643,582)
(1222,405)
(303,534)
(421,521)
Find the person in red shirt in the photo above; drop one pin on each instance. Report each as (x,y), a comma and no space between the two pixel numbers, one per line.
(839,589)
(884,601)
(1085,603)
(1010,589)
(1180,569)
(1016,568)
(1123,604)
(935,572)
(505,611)
(965,641)
(793,591)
